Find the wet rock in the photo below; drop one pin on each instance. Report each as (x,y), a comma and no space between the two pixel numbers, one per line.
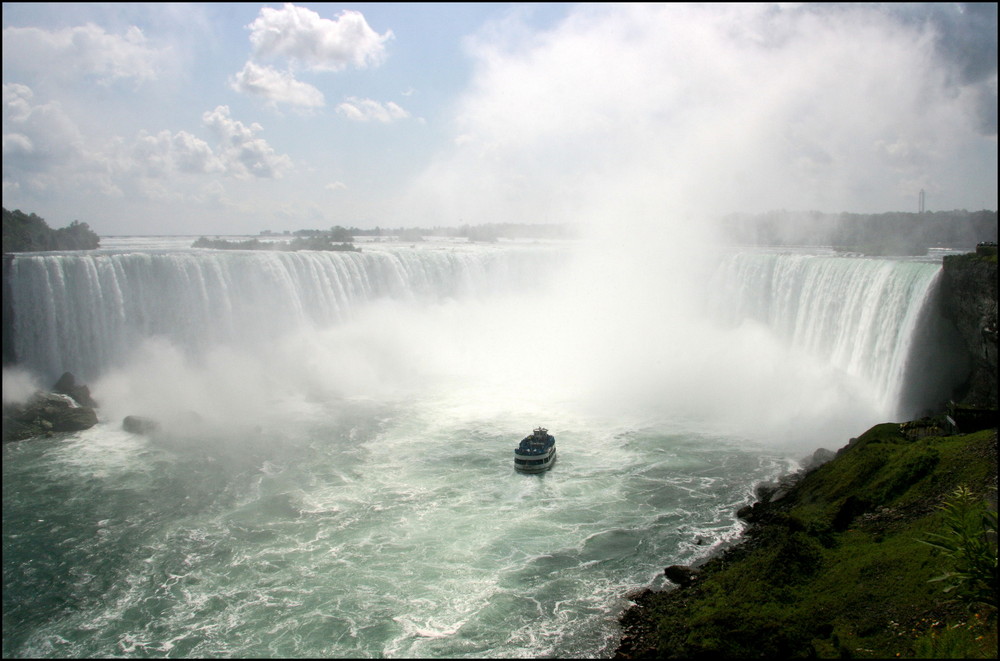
(682,575)
(137,424)
(818,458)
(44,413)
(67,385)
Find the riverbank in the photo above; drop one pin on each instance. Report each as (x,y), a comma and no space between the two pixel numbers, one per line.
(835,566)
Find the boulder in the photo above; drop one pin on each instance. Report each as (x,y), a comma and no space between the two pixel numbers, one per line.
(818,458)
(137,424)
(682,575)
(73,418)
(752,513)
(67,385)
(44,413)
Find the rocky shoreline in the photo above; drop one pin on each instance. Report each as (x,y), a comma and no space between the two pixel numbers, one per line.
(786,588)
(638,622)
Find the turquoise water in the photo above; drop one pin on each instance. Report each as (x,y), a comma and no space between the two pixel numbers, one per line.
(356,530)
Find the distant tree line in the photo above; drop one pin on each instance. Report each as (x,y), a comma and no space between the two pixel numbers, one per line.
(30,233)
(313,242)
(487,232)
(895,233)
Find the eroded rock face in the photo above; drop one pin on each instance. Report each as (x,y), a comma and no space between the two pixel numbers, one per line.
(969,300)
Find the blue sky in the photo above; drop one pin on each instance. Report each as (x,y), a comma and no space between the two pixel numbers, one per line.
(234,118)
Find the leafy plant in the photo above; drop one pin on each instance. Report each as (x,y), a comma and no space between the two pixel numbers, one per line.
(969,540)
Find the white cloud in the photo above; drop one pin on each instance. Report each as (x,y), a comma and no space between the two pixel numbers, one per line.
(302,36)
(45,154)
(238,152)
(336,185)
(85,50)
(241,152)
(305,40)
(17,144)
(16,102)
(366,110)
(44,150)
(276,86)
(35,136)
(167,153)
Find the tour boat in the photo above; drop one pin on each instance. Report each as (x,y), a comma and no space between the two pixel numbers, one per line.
(536,453)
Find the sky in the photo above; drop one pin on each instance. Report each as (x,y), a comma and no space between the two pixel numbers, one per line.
(235,118)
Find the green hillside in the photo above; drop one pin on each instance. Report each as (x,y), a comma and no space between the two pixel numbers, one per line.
(839,566)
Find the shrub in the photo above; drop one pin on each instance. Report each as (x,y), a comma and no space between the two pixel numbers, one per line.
(969,542)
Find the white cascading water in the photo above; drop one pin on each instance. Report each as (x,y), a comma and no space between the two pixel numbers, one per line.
(857,314)
(86,313)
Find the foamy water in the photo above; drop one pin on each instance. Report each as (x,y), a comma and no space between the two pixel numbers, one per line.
(357,529)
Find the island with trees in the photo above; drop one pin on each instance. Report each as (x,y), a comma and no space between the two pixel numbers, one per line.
(318,242)
(30,233)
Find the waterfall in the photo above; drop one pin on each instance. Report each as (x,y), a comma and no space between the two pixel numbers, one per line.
(858,314)
(86,312)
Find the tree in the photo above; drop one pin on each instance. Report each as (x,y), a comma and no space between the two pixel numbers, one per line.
(338,233)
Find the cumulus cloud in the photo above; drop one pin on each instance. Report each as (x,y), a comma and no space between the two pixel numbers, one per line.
(35,135)
(45,153)
(166,152)
(276,86)
(17,144)
(85,50)
(45,150)
(367,110)
(240,150)
(17,101)
(304,40)
(336,185)
(317,43)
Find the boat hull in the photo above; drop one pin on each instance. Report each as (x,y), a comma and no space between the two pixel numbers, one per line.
(534,463)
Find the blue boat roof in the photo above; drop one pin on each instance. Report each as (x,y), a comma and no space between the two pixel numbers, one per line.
(536,443)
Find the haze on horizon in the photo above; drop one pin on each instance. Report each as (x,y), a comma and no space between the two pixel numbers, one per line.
(236,118)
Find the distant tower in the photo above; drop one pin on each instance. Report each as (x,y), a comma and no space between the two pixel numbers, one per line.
(921,200)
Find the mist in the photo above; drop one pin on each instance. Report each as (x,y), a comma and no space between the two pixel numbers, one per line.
(591,343)
(18,385)
(666,116)
(647,124)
